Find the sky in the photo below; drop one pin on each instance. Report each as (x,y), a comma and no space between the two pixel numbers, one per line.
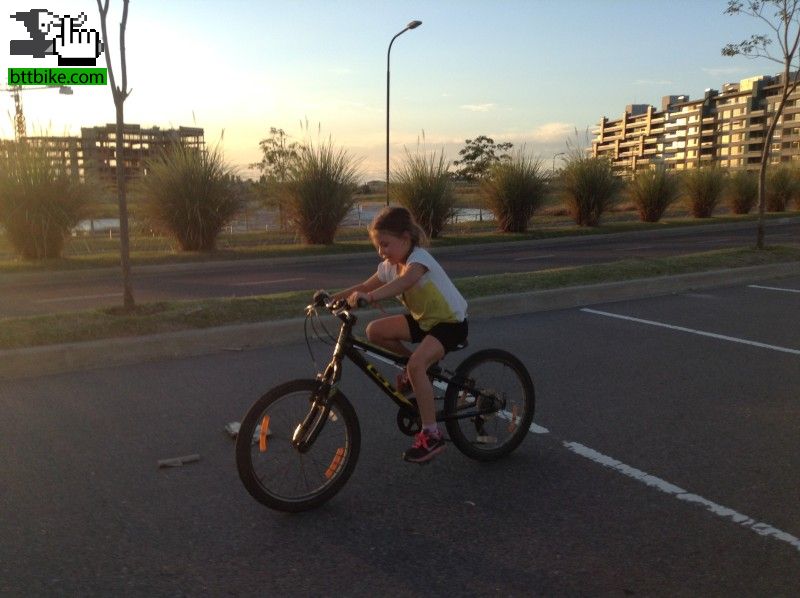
(530,72)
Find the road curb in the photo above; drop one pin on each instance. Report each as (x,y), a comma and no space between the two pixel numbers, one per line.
(38,361)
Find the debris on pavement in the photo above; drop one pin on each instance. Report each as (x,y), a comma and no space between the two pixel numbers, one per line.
(178,461)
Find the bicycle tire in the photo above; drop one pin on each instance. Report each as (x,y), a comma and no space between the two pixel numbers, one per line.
(278,475)
(494,435)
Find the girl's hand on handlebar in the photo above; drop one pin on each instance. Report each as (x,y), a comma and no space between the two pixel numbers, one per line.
(358,299)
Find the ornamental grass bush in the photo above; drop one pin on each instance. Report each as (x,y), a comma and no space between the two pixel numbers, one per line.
(318,192)
(652,191)
(513,190)
(742,191)
(423,185)
(703,188)
(191,195)
(782,188)
(589,187)
(40,203)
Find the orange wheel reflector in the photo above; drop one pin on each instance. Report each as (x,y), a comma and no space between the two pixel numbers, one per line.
(334,466)
(262,436)
(514,417)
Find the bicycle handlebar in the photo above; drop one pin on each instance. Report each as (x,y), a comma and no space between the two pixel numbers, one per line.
(323,299)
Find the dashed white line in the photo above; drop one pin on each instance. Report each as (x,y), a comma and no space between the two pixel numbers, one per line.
(261,282)
(693,331)
(78,298)
(758,286)
(534,257)
(635,248)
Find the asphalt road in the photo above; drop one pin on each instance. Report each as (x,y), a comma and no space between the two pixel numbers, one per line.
(668,466)
(48,293)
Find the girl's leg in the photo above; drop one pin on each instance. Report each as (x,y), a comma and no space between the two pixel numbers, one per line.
(389,333)
(430,351)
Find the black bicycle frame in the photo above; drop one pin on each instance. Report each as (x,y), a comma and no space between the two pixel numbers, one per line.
(352,347)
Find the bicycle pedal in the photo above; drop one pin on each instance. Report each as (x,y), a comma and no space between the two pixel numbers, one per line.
(485,439)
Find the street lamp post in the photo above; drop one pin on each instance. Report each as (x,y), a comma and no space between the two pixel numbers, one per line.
(411,25)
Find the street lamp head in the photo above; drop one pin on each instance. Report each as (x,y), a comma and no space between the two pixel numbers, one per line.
(414,24)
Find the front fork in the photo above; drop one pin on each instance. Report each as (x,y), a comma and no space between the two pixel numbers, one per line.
(307,431)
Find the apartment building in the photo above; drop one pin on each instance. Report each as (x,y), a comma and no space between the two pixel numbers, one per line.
(724,128)
(95,150)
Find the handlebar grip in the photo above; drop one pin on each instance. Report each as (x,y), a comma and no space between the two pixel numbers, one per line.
(362,303)
(321,298)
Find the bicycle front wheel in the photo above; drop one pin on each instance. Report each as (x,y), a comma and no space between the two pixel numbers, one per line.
(494,381)
(275,472)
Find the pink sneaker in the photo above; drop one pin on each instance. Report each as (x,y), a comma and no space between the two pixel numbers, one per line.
(426,446)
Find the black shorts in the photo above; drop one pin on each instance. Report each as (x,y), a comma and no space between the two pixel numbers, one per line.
(450,334)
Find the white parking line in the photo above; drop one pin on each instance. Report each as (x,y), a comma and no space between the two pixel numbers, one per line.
(693,331)
(260,282)
(757,286)
(762,529)
(78,298)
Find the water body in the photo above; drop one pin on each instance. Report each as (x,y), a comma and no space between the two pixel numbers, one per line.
(261,219)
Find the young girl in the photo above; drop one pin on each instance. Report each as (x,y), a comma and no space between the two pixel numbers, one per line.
(437,318)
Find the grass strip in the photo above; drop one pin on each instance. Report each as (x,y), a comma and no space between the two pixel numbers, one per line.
(173,316)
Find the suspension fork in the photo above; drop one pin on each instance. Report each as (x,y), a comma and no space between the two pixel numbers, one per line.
(307,432)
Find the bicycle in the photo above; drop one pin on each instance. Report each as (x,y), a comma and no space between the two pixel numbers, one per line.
(298,444)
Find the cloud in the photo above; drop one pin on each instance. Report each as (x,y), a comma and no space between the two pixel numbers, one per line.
(723,71)
(477,107)
(552,132)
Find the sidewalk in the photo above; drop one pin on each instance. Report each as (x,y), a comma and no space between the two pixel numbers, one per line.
(39,361)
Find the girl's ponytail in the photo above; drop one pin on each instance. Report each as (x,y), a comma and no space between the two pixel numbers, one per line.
(397,220)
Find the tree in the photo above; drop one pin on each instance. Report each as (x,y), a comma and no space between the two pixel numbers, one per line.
(120,94)
(478,155)
(278,156)
(783,18)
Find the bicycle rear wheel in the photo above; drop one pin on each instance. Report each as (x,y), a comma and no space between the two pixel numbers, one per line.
(276,473)
(490,379)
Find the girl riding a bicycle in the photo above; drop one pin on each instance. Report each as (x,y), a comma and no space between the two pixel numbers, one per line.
(437,318)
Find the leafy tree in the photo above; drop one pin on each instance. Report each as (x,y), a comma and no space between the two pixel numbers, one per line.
(782,17)
(477,157)
(278,156)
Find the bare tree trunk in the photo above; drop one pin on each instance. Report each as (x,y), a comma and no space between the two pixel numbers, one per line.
(124,238)
(762,196)
(120,94)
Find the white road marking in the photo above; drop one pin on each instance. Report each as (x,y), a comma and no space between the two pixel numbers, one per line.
(757,286)
(693,331)
(534,257)
(78,298)
(762,529)
(635,248)
(260,282)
